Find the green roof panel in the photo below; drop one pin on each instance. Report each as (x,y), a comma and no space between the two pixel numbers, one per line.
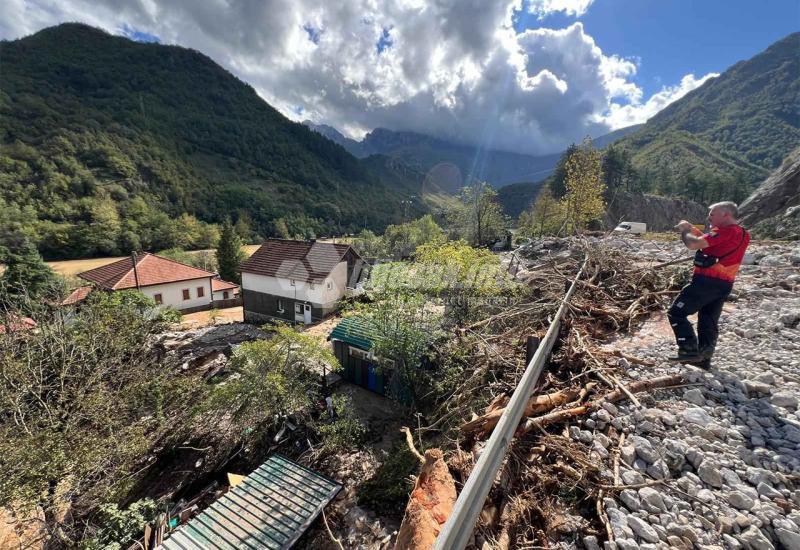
(270,508)
(353,331)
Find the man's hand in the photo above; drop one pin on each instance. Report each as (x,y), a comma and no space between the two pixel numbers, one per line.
(683,225)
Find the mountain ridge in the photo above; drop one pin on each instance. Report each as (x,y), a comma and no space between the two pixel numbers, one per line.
(740,125)
(424,152)
(147,130)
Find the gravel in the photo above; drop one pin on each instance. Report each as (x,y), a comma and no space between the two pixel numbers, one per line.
(722,455)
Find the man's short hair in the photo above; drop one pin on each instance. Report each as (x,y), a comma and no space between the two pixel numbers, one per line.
(727,206)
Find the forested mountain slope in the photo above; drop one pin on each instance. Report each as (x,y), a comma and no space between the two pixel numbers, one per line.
(736,127)
(104,140)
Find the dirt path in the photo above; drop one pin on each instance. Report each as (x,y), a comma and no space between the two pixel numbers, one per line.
(203,318)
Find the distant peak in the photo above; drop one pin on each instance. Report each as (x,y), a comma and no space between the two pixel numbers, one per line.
(74,28)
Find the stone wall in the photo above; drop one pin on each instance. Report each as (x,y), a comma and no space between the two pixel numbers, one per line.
(659,213)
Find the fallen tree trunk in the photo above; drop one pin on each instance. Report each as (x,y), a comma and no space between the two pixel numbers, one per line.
(611,397)
(483,425)
(429,505)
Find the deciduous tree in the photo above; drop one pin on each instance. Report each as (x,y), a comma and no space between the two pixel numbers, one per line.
(584,199)
(478,218)
(545,217)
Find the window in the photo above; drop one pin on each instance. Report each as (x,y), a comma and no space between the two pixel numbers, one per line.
(359,353)
(159,299)
(201,291)
(185,293)
(224,294)
(330,285)
(280,306)
(291,282)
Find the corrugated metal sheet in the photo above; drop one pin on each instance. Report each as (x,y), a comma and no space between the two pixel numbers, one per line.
(270,508)
(353,331)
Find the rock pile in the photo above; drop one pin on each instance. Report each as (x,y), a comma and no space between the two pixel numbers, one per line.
(716,464)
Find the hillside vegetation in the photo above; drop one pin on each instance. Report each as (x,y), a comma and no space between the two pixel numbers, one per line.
(735,128)
(105,140)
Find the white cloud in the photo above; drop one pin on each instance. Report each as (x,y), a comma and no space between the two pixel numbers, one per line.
(450,68)
(575,8)
(620,116)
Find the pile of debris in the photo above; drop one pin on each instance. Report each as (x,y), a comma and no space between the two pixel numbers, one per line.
(205,351)
(551,488)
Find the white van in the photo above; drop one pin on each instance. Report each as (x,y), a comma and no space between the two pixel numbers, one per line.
(636,228)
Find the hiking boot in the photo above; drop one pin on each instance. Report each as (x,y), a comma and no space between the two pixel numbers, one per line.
(705,364)
(687,356)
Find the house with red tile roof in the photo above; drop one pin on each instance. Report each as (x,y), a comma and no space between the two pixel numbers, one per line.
(168,282)
(297,281)
(223,290)
(17,324)
(78,295)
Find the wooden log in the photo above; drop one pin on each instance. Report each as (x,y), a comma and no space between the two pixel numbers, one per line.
(538,404)
(612,397)
(429,505)
(499,402)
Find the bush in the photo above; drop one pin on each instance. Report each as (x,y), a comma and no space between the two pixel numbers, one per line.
(119,528)
(387,491)
(345,431)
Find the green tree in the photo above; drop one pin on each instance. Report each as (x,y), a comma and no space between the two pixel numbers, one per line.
(369,245)
(244,227)
(208,236)
(26,275)
(402,328)
(270,378)
(229,253)
(402,240)
(187,231)
(617,167)
(584,199)
(544,217)
(478,218)
(280,229)
(82,397)
(558,182)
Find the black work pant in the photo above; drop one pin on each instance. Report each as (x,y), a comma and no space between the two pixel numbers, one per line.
(704,296)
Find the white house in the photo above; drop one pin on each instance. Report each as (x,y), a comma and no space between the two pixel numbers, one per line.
(223,290)
(297,281)
(168,282)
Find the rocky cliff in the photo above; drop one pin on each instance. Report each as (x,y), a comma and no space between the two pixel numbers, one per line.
(773,210)
(659,213)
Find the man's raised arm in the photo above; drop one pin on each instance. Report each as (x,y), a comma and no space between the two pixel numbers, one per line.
(691,236)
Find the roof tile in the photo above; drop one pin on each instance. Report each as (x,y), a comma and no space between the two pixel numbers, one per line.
(77,295)
(308,261)
(218,285)
(150,270)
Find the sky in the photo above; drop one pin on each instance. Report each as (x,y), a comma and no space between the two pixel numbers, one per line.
(529,76)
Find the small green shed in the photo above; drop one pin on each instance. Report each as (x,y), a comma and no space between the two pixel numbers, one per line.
(351,345)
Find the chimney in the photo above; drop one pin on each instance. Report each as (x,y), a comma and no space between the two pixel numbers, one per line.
(135,271)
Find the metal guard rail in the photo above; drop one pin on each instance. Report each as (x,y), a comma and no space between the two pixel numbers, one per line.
(459,527)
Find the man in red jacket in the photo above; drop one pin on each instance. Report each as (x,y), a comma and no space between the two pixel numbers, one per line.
(720,253)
